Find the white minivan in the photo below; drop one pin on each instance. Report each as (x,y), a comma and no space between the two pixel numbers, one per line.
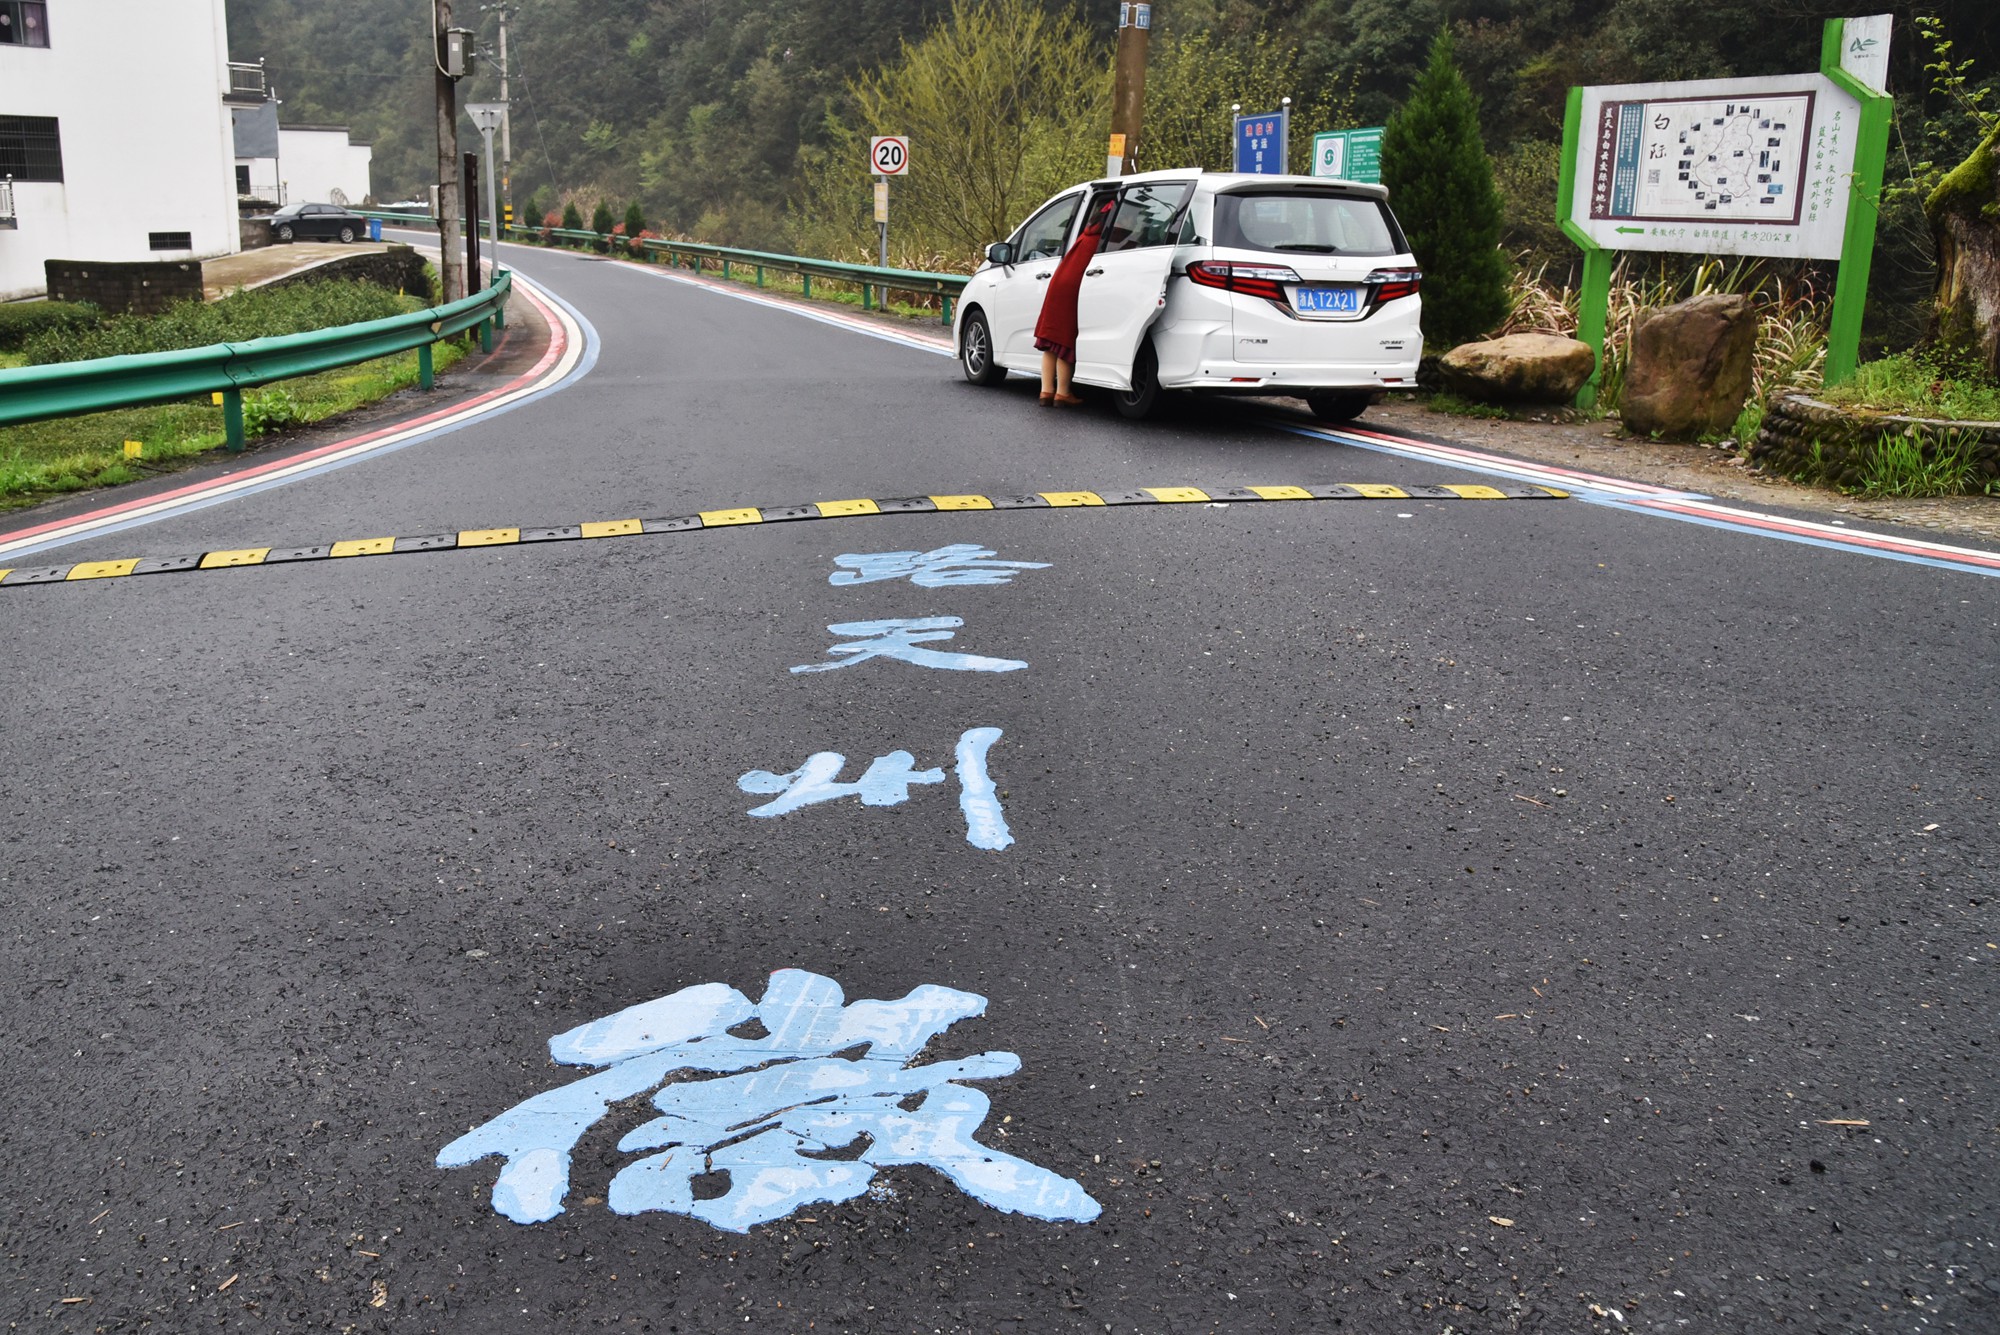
(1220,281)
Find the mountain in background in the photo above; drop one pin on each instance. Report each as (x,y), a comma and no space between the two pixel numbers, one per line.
(707,111)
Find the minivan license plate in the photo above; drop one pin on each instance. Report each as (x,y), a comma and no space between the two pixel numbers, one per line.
(1344,300)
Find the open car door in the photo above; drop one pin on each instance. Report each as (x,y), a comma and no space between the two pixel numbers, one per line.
(1125,287)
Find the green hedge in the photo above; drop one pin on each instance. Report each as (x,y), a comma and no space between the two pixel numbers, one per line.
(258,313)
(22,320)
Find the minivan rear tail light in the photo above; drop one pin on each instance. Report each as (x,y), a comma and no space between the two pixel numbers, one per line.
(1252,280)
(1391,284)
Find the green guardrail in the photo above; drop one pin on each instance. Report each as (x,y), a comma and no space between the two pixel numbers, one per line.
(875,281)
(69,389)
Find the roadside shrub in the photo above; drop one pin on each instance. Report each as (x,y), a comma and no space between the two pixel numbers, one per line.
(635,219)
(571,219)
(23,320)
(601,221)
(258,313)
(268,410)
(1441,180)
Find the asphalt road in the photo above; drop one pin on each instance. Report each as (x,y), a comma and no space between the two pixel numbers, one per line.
(1420,916)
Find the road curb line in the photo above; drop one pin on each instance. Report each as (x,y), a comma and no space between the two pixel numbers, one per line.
(572,351)
(237,557)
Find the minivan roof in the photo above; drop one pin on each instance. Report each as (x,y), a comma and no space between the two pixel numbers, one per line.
(1234,182)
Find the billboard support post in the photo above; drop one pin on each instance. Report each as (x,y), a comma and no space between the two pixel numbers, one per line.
(1864,207)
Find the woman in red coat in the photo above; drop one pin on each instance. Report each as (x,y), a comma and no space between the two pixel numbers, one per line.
(1055,331)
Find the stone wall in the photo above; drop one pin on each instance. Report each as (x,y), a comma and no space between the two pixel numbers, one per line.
(399,268)
(145,286)
(1845,437)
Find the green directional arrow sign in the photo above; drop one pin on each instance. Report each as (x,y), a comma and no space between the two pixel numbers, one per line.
(1633,231)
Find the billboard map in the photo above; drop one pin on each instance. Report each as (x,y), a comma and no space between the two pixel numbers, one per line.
(1722,166)
(1697,160)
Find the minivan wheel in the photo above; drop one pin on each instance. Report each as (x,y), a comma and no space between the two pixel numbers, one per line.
(975,351)
(346,235)
(1138,402)
(1341,407)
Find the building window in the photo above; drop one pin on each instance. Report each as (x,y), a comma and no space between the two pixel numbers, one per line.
(170,240)
(24,23)
(30,148)
(242,178)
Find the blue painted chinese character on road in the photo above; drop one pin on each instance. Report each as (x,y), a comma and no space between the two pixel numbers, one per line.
(903,639)
(790,1095)
(961,563)
(887,782)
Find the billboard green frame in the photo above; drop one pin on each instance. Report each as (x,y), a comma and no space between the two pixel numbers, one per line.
(1850,293)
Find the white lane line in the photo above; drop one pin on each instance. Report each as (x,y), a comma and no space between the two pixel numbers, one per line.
(572,352)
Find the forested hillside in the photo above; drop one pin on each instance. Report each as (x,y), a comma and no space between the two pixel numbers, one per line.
(720,116)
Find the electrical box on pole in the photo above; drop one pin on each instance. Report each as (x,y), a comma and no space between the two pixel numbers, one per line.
(455,53)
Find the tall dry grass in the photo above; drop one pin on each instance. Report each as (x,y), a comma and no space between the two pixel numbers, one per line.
(1791,323)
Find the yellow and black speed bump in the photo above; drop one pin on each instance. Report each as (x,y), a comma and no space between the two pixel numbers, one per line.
(773,514)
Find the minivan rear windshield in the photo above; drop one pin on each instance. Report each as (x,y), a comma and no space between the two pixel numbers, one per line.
(1306,222)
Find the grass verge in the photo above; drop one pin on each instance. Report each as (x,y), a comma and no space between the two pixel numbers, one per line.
(44,459)
(1916,386)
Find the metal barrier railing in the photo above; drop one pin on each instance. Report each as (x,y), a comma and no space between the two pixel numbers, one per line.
(69,389)
(875,281)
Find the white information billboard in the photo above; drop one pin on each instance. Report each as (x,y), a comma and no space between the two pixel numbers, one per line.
(1717,166)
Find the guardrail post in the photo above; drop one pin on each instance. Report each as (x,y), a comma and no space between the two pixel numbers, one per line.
(725,269)
(760,275)
(867,295)
(486,335)
(232,418)
(945,302)
(806,283)
(425,375)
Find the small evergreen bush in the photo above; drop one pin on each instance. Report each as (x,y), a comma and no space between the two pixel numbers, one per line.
(258,313)
(601,221)
(23,320)
(1441,186)
(635,219)
(571,219)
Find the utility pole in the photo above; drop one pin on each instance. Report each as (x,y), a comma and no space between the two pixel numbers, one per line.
(506,131)
(452,56)
(1128,89)
(506,125)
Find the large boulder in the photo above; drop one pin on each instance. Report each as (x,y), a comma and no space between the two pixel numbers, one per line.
(1689,369)
(1519,368)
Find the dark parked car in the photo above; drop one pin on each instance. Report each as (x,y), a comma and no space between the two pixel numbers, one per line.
(317,222)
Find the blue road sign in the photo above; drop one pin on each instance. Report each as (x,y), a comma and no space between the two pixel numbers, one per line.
(1260,142)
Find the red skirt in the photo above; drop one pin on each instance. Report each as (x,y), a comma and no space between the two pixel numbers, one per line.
(1055,331)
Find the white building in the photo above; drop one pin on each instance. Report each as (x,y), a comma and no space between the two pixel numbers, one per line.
(321,164)
(113,128)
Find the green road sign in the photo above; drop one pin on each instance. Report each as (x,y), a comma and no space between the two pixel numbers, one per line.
(1349,155)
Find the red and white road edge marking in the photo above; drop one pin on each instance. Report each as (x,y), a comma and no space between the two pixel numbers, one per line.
(567,347)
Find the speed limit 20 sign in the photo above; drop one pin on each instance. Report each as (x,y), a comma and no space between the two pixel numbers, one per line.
(889,154)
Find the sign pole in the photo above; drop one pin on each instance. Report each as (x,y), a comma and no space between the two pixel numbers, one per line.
(888,155)
(1594,296)
(1857,249)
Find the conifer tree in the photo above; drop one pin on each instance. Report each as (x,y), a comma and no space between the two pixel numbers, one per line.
(635,219)
(1441,186)
(572,218)
(601,221)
